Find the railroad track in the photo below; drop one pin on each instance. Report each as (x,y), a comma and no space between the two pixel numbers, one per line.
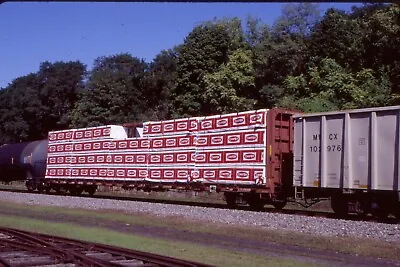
(310,213)
(22,248)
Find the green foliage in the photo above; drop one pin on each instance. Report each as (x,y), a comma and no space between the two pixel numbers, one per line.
(366,38)
(228,89)
(204,50)
(160,83)
(281,49)
(329,86)
(254,30)
(319,103)
(59,84)
(383,38)
(297,19)
(19,103)
(37,103)
(113,93)
(269,95)
(338,37)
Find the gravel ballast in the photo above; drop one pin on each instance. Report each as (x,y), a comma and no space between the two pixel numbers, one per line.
(304,224)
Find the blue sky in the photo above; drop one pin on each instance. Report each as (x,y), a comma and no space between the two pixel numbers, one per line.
(31,33)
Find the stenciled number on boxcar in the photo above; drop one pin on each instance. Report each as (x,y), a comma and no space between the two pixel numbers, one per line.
(329,148)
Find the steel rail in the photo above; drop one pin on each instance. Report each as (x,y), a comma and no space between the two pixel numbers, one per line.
(55,247)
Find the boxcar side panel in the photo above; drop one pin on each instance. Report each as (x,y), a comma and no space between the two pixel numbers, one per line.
(357,149)
(386,145)
(359,146)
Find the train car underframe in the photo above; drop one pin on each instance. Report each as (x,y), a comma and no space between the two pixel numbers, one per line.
(378,203)
(60,187)
(255,197)
(362,202)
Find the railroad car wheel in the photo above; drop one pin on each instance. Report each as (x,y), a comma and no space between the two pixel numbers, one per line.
(230,199)
(340,204)
(29,186)
(380,210)
(254,201)
(79,190)
(256,205)
(380,213)
(29,182)
(76,190)
(40,188)
(60,190)
(397,211)
(363,206)
(73,190)
(279,204)
(91,190)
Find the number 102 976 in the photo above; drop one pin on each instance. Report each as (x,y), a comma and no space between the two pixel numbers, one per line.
(329,148)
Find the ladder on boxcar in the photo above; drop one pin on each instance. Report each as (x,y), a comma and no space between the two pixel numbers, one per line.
(298,178)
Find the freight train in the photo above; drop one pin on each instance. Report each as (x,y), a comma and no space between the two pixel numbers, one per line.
(259,157)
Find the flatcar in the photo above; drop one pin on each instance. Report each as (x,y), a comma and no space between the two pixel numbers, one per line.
(267,156)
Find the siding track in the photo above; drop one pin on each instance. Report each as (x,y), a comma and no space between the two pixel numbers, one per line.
(22,248)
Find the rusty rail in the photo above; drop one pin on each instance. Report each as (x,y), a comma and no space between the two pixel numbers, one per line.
(22,248)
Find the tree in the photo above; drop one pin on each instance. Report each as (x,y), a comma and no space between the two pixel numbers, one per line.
(365,38)
(40,102)
(269,96)
(21,111)
(281,49)
(160,83)
(382,37)
(297,19)
(59,84)
(230,88)
(366,10)
(254,31)
(338,37)
(204,50)
(329,86)
(114,92)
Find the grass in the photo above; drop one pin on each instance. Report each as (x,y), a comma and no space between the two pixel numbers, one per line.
(362,247)
(183,250)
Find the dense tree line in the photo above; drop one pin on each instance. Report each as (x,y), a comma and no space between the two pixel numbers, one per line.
(303,61)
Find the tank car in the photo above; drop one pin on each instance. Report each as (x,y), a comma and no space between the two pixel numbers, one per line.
(24,161)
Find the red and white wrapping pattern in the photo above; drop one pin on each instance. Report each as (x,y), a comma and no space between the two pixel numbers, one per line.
(231,139)
(220,140)
(171,127)
(217,123)
(214,157)
(65,135)
(137,144)
(157,174)
(102,132)
(216,149)
(113,173)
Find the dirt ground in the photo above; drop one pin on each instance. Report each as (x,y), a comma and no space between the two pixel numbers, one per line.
(233,243)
